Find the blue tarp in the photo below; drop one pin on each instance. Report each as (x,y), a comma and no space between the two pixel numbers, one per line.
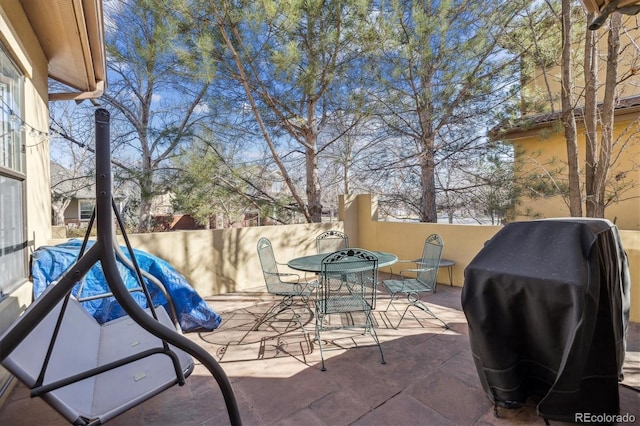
(48,264)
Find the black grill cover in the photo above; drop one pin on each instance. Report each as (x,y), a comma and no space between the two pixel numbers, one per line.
(547,303)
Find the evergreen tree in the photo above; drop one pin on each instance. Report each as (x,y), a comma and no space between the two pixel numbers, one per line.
(440,72)
(157,84)
(294,61)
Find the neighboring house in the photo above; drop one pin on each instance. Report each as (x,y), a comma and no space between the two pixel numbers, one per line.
(62,40)
(540,146)
(73,196)
(162,204)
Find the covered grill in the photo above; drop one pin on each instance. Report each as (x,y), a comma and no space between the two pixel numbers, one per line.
(547,303)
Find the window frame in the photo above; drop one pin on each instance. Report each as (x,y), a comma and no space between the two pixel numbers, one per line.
(89,202)
(15,80)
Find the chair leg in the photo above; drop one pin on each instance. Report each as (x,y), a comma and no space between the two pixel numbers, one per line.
(276,309)
(394,297)
(423,306)
(368,327)
(413,300)
(372,330)
(319,339)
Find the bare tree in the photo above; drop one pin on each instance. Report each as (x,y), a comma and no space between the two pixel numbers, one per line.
(71,158)
(67,183)
(606,178)
(605,181)
(590,113)
(568,116)
(602,162)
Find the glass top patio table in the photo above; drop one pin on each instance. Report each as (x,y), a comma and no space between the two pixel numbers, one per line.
(313,263)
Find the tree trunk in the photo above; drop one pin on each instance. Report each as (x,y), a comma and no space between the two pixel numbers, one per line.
(568,117)
(313,186)
(428,211)
(144,216)
(314,203)
(608,109)
(59,207)
(424,107)
(244,80)
(146,196)
(346,174)
(590,116)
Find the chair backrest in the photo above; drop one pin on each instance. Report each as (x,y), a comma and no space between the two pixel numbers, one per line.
(348,282)
(268,263)
(429,264)
(331,241)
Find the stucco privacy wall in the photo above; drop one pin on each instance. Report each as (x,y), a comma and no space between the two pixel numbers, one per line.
(226,260)
(21,43)
(221,261)
(406,240)
(461,242)
(631,243)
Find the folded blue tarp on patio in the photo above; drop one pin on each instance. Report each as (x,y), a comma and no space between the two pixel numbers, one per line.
(48,264)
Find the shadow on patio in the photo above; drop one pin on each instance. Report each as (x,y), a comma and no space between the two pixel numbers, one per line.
(429,377)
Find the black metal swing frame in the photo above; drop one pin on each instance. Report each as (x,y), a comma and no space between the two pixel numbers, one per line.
(105,250)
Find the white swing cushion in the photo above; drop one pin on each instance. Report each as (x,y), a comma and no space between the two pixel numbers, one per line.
(82,343)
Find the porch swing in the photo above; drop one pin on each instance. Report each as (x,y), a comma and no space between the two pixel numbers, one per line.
(91,372)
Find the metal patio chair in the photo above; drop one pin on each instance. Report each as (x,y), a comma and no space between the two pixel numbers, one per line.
(285,285)
(331,241)
(346,294)
(414,282)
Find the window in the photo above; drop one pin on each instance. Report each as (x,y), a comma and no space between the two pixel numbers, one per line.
(86,209)
(276,187)
(13,245)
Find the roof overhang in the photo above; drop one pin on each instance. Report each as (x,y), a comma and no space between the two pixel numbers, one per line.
(603,8)
(628,109)
(597,5)
(71,33)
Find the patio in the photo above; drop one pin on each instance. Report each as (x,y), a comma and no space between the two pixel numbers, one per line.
(429,377)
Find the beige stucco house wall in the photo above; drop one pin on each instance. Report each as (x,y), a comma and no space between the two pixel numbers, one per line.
(18,38)
(548,81)
(539,141)
(61,40)
(542,150)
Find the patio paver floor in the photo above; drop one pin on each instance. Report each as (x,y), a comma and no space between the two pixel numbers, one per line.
(429,378)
